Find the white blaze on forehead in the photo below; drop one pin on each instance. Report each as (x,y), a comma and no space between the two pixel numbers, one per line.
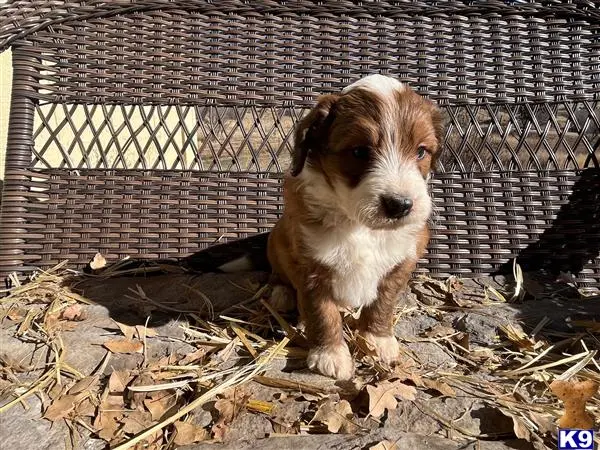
(380,84)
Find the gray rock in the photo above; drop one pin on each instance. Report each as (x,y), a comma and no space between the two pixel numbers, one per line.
(412,326)
(22,429)
(482,327)
(403,440)
(431,355)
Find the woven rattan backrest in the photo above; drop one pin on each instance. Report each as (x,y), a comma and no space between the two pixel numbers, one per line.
(520,81)
(127,100)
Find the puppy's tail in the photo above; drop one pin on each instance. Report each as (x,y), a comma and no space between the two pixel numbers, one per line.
(243,255)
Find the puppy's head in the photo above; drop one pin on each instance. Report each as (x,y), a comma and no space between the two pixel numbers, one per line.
(374,145)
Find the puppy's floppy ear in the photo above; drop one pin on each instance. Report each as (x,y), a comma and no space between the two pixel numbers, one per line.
(438,125)
(311,132)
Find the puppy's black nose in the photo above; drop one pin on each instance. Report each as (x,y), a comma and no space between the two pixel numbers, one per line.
(395,207)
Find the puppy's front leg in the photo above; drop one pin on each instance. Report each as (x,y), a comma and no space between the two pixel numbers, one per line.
(329,353)
(376,323)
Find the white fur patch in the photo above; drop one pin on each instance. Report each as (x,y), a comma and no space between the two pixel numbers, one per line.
(335,362)
(380,84)
(393,176)
(283,298)
(358,255)
(242,264)
(386,347)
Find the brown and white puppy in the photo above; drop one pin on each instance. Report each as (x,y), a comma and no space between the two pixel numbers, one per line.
(355,217)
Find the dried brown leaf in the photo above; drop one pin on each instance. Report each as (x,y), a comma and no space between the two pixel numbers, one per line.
(439,330)
(107,424)
(144,331)
(518,337)
(112,406)
(228,408)
(84,384)
(136,421)
(124,346)
(545,423)
(384,445)
(188,433)
(127,330)
(520,429)
(405,391)
(63,406)
(85,409)
(440,386)
(98,262)
(137,398)
(73,312)
(192,357)
(463,340)
(16,314)
(159,403)
(338,416)
(381,397)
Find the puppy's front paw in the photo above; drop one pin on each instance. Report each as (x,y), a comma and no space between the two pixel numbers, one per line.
(283,298)
(332,361)
(386,347)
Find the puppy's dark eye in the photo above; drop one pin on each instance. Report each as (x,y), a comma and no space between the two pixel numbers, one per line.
(361,152)
(421,152)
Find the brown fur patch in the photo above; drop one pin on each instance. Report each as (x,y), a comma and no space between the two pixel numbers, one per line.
(361,119)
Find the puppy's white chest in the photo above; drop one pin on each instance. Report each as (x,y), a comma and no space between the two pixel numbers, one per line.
(359,258)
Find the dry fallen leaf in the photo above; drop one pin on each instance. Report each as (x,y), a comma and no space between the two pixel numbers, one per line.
(73,312)
(575,396)
(118,381)
(517,336)
(127,330)
(124,346)
(384,445)
(440,386)
(545,423)
(136,398)
(61,408)
(439,330)
(112,406)
(159,403)
(192,357)
(188,433)
(405,391)
(98,262)
(136,421)
(84,384)
(337,416)
(228,408)
(519,427)
(16,314)
(144,331)
(107,424)
(53,324)
(85,409)
(381,398)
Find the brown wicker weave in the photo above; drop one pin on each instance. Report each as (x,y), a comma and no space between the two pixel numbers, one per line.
(519,82)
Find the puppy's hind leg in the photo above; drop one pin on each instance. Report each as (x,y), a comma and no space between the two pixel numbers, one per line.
(283,296)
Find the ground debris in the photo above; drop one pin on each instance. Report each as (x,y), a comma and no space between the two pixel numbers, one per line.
(164,374)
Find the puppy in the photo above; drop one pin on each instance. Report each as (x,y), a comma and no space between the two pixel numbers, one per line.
(356,208)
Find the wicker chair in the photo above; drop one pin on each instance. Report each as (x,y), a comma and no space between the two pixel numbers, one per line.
(154,128)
